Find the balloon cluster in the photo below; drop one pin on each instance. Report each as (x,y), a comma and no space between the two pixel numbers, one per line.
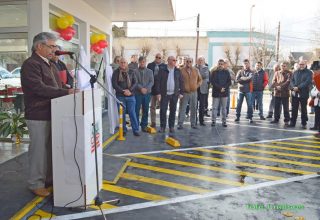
(65,28)
(98,42)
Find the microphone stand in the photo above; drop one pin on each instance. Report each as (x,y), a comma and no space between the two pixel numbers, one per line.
(93,79)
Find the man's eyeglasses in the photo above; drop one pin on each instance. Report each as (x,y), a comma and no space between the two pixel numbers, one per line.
(51,46)
(158,57)
(174,60)
(221,64)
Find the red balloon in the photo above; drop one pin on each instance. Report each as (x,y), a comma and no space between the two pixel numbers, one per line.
(103,43)
(100,51)
(71,30)
(67,33)
(95,47)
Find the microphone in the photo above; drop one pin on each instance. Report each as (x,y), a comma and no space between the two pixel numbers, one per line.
(60,52)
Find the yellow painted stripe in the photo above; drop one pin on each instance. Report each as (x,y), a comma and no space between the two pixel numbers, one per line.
(207,167)
(263,158)
(124,166)
(109,140)
(41,213)
(132,192)
(184,174)
(308,141)
(163,183)
(284,148)
(241,163)
(27,208)
(293,144)
(273,152)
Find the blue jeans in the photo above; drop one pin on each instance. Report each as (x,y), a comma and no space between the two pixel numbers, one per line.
(258,95)
(241,96)
(143,100)
(130,107)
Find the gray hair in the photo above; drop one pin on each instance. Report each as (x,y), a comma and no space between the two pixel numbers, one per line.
(41,38)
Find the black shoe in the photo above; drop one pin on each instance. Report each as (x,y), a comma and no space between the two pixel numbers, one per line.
(304,126)
(314,129)
(180,127)
(162,130)
(250,121)
(202,124)
(144,129)
(224,124)
(194,127)
(291,125)
(207,115)
(274,121)
(171,130)
(135,133)
(237,119)
(213,124)
(262,118)
(247,117)
(269,116)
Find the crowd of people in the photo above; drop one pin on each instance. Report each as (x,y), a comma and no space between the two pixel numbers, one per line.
(138,84)
(44,77)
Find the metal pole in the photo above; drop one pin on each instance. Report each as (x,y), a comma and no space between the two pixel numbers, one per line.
(250,32)
(197,45)
(278,42)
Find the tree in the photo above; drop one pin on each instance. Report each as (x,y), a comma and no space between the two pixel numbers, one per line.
(263,49)
(163,47)
(232,53)
(118,31)
(146,47)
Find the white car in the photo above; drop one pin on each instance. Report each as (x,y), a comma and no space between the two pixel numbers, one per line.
(4,74)
(16,72)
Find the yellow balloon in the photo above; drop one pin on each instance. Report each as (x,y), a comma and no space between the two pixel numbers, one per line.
(62,23)
(94,38)
(70,19)
(102,37)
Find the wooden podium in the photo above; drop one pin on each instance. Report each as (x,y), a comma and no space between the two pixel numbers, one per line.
(65,124)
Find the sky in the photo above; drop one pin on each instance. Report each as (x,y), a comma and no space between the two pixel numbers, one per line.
(297,18)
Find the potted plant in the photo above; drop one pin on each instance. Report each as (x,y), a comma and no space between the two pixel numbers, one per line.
(13,124)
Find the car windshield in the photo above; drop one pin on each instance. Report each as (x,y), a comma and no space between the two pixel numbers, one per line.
(5,73)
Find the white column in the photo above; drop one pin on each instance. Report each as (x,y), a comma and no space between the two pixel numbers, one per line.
(84,36)
(38,18)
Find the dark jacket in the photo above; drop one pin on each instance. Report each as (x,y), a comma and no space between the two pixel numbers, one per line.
(152,67)
(259,80)
(244,79)
(145,79)
(119,86)
(303,80)
(161,82)
(281,79)
(40,83)
(220,79)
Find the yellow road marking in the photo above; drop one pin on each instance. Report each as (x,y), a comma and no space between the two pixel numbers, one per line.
(41,213)
(219,169)
(284,148)
(163,183)
(108,141)
(272,152)
(293,144)
(27,208)
(308,141)
(263,158)
(185,174)
(132,192)
(241,163)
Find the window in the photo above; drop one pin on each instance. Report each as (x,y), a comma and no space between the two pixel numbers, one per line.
(14,15)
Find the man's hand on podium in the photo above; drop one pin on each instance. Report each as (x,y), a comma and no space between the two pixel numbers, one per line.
(72,91)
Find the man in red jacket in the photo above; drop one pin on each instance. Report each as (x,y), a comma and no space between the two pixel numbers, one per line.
(40,83)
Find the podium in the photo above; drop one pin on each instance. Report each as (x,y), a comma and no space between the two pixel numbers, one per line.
(70,114)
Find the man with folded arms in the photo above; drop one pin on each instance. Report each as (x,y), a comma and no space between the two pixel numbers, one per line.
(40,83)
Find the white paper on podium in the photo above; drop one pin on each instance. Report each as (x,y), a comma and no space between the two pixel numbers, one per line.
(71,169)
(83,79)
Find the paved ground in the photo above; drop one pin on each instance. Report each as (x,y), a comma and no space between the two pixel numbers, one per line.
(244,171)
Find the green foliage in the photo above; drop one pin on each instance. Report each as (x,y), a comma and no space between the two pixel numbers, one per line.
(12,124)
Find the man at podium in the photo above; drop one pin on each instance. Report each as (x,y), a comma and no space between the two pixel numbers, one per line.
(40,83)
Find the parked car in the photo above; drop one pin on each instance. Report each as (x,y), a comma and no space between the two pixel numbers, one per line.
(16,72)
(4,74)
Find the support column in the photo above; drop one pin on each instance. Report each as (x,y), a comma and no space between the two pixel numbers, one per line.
(84,36)
(38,18)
